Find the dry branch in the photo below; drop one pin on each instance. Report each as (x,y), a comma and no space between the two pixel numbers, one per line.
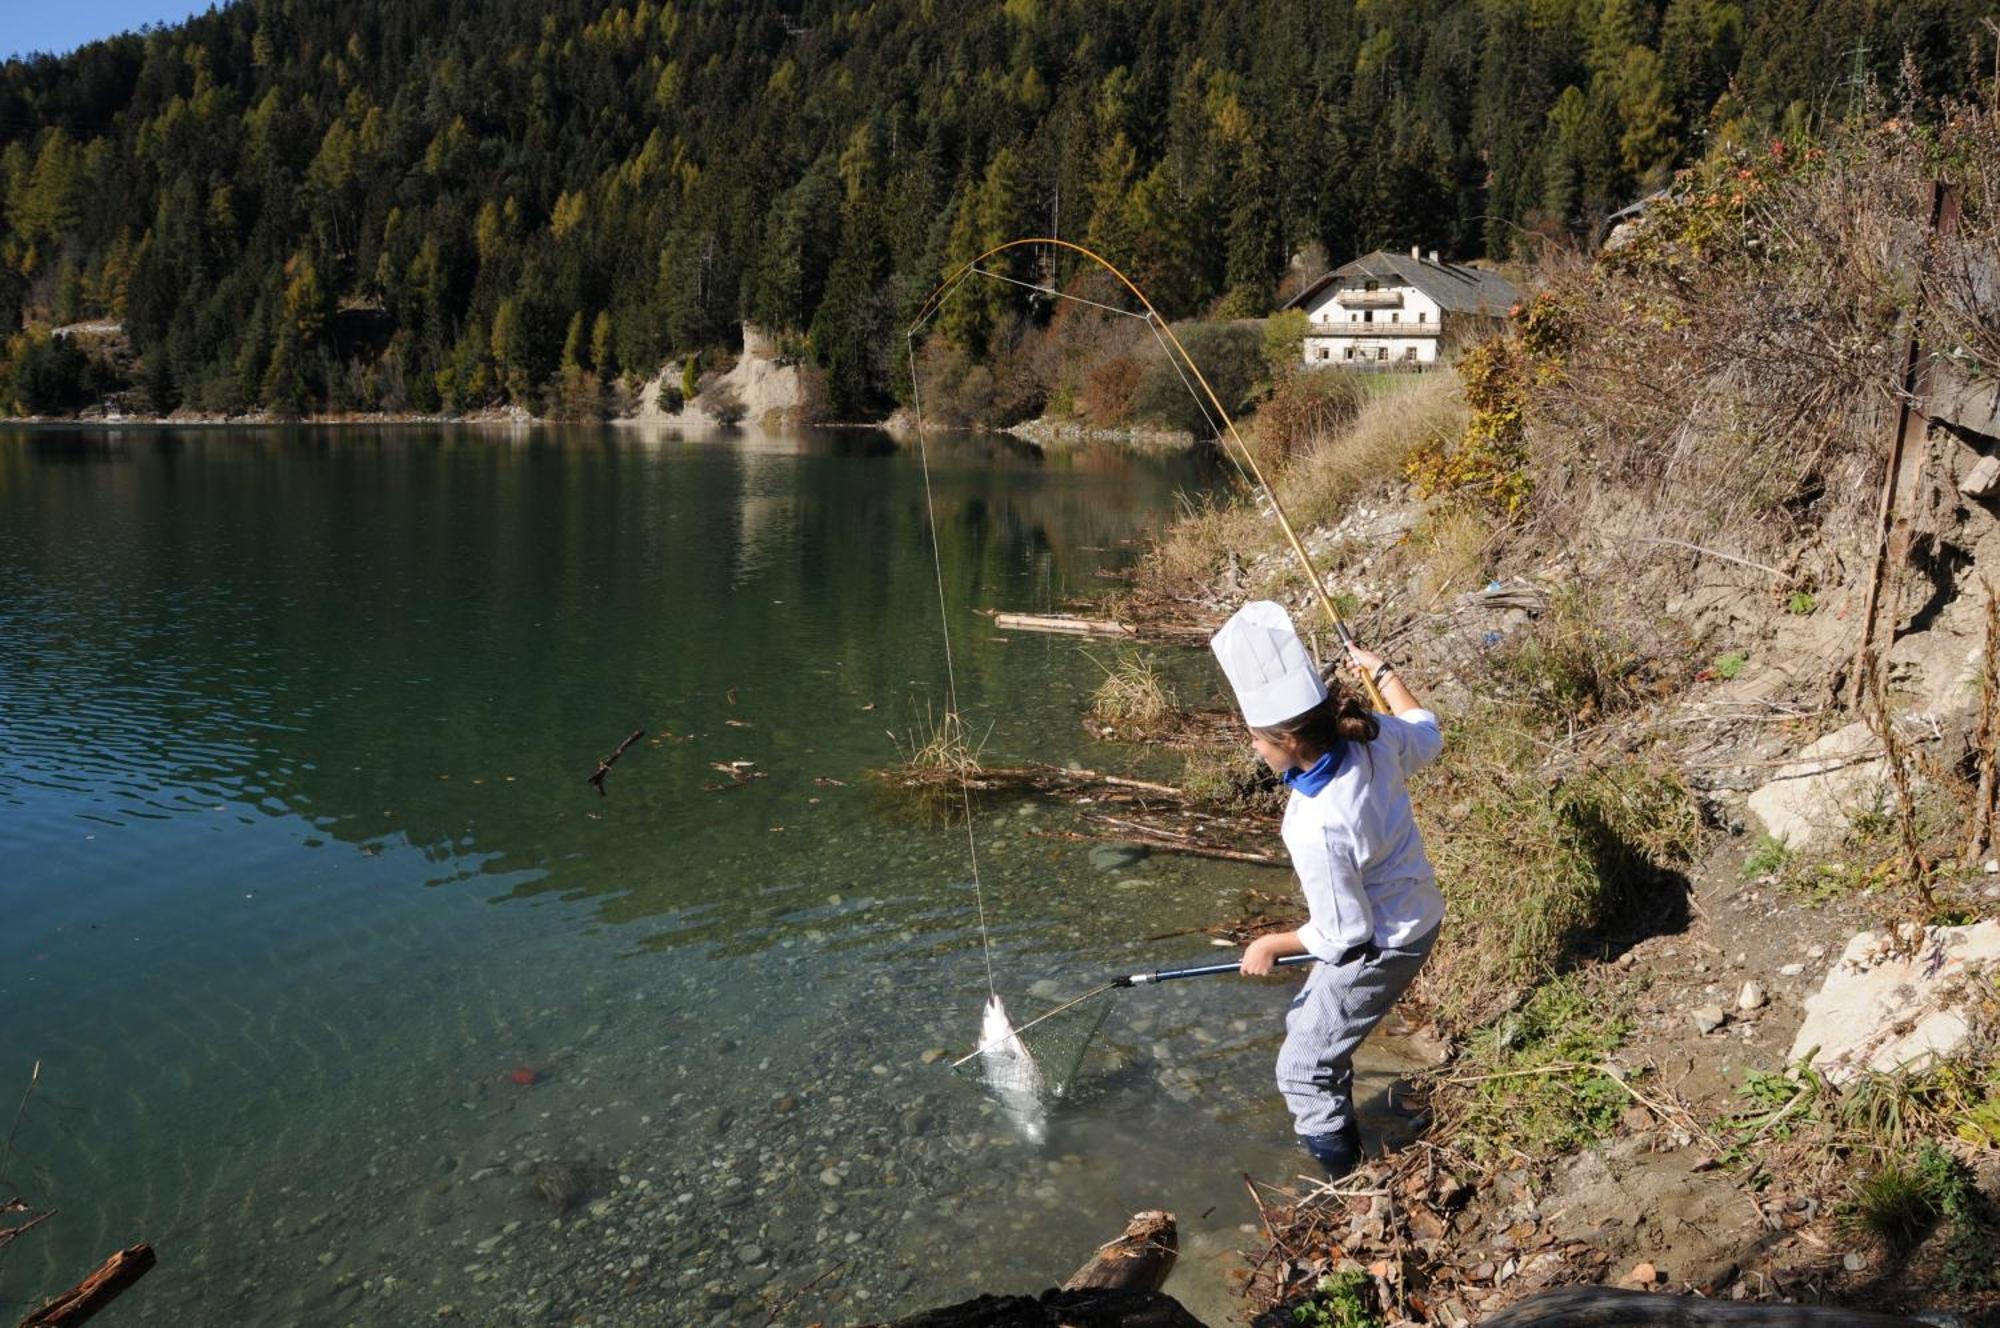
(596,777)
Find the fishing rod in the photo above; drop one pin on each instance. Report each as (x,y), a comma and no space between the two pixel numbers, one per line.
(1138,980)
(935,300)
(1202,971)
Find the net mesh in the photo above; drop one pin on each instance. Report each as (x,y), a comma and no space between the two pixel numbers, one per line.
(1056,1038)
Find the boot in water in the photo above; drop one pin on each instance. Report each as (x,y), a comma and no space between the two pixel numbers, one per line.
(1339,1153)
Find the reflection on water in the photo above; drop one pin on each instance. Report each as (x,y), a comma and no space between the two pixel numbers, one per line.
(333,959)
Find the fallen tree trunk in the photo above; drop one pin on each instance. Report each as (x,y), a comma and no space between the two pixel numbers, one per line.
(1117,1287)
(82,1301)
(1610,1307)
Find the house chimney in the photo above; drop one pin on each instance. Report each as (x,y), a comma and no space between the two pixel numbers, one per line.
(1417,252)
(1434,257)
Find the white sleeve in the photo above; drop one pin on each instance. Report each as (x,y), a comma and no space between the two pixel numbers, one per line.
(1414,737)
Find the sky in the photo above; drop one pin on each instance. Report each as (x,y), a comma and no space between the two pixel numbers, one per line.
(58,26)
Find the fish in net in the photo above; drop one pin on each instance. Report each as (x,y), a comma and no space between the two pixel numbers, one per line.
(1026,1069)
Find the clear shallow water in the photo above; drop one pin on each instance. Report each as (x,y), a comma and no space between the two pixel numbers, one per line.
(297,864)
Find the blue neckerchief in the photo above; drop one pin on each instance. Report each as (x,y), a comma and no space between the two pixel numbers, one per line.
(1310,782)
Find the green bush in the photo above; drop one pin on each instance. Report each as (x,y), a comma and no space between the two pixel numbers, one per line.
(1230,357)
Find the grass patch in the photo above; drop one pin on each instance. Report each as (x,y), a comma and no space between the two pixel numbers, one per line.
(1531,1079)
(1133,701)
(1531,866)
(1339,442)
(1579,662)
(1910,1196)
(1767,858)
(1341,1300)
(1330,472)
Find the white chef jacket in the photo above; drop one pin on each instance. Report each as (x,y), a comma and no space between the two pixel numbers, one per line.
(1355,844)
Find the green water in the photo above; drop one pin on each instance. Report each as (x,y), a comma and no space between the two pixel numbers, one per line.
(298,866)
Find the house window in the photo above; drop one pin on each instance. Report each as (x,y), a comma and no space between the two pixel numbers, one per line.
(1347,353)
(1368,316)
(1321,352)
(1395,317)
(1423,316)
(1354,318)
(1372,285)
(1409,352)
(1382,353)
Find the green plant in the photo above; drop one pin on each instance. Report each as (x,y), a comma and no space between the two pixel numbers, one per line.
(1767,858)
(1340,1300)
(1901,1203)
(1800,603)
(1895,1205)
(1535,1076)
(1729,665)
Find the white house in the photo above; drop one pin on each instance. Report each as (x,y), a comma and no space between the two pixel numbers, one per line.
(1386,311)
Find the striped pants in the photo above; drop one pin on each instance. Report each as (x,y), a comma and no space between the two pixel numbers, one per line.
(1337,1008)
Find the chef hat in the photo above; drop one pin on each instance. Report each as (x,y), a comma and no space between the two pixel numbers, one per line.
(1267,665)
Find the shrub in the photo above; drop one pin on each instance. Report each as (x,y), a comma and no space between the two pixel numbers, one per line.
(1230,357)
(1108,388)
(1304,411)
(1488,463)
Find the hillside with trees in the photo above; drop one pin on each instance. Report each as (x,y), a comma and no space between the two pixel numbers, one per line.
(442,205)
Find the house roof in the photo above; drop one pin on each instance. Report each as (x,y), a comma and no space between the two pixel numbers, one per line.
(1456,287)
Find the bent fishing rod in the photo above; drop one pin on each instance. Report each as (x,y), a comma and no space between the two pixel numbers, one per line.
(1140,980)
(935,300)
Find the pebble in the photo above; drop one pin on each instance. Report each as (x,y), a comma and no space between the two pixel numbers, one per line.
(1751,997)
(829,1178)
(933,1055)
(1791,970)
(1815,952)
(1853,1262)
(1708,1018)
(750,1253)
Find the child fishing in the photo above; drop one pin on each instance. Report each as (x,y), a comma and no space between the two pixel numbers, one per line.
(1372,902)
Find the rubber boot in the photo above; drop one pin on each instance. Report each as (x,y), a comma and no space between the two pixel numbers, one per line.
(1339,1153)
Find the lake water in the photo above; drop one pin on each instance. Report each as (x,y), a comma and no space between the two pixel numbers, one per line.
(299,875)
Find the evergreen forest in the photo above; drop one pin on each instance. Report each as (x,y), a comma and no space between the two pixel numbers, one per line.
(447,205)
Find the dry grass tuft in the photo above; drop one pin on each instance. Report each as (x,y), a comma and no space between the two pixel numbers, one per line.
(939,750)
(1134,701)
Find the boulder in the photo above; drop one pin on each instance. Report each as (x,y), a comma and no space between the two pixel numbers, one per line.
(1812,796)
(1896,1002)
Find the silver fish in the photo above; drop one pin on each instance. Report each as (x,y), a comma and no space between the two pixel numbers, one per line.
(1011,1073)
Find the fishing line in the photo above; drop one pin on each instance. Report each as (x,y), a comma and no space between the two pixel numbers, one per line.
(952,715)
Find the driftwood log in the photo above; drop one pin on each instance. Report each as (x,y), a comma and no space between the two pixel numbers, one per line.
(112,1278)
(1139,1260)
(1609,1307)
(1062,623)
(1118,1287)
